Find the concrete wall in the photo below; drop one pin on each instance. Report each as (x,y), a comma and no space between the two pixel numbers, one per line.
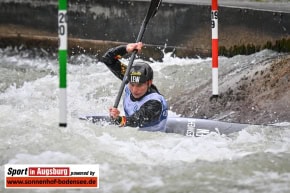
(178,25)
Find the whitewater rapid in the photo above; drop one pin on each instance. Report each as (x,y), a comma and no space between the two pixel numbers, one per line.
(256,159)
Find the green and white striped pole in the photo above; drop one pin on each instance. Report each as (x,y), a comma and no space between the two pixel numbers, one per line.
(62,57)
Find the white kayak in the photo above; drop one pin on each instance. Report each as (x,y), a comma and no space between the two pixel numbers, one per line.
(184,126)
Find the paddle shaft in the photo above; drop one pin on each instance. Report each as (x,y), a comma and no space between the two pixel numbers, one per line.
(151,12)
(132,58)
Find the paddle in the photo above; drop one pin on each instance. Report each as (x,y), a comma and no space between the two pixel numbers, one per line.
(154,5)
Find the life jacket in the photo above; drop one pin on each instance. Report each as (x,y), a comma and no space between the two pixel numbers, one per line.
(130,107)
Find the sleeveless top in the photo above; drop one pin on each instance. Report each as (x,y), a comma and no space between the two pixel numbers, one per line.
(130,107)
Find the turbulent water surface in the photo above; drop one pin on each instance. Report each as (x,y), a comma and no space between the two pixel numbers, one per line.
(256,159)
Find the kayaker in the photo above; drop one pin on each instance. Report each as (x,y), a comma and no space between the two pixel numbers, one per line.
(144,106)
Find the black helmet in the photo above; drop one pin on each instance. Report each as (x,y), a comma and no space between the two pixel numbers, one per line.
(140,73)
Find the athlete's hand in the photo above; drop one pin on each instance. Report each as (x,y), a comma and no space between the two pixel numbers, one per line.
(134,46)
(116,118)
(114,112)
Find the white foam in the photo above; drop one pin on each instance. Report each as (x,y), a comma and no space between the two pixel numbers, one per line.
(29,131)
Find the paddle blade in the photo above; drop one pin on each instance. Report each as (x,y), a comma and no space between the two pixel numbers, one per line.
(154,5)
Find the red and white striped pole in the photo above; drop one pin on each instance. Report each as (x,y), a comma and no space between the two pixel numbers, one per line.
(215,53)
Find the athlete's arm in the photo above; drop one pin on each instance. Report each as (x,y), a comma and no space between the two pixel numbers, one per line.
(111,59)
(112,56)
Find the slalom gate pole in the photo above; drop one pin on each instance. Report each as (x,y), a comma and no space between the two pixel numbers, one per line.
(214,30)
(62,57)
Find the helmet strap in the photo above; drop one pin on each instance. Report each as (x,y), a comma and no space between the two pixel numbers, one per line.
(149,83)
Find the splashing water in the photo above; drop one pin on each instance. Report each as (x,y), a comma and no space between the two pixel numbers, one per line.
(256,159)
